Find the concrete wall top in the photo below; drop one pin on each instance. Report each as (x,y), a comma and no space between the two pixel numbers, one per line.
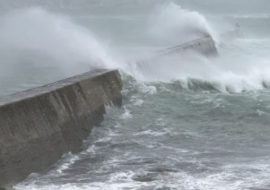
(39,125)
(11,99)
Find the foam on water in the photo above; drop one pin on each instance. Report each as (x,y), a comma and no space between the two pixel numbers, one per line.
(37,40)
(232,177)
(242,64)
(181,126)
(126,114)
(133,154)
(235,70)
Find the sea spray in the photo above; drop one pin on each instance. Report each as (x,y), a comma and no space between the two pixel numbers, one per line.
(241,65)
(173,24)
(230,72)
(33,40)
(191,133)
(49,47)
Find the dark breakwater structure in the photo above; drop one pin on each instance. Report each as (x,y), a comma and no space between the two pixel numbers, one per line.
(38,126)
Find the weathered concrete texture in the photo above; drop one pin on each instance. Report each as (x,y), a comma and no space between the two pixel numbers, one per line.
(39,125)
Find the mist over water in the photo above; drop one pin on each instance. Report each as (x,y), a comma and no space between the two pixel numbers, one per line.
(189,121)
(67,44)
(174,24)
(38,47)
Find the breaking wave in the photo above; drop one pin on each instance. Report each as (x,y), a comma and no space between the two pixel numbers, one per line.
(35,40)
(174,24)
(37,46)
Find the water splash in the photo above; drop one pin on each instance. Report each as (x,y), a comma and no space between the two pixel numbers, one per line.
(175,25)
(33,41)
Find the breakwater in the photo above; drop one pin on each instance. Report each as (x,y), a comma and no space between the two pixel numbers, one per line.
(205,46)
(38,126)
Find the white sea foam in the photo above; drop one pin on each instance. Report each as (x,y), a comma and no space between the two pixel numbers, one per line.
(138,102)
(55,43)
(241,65)
(66,162)
(232,71)
(150,132)
(232,177)
(126,114)
(147,89)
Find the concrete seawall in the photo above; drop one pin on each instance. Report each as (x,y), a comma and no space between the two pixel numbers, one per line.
(205,46)
(38,126)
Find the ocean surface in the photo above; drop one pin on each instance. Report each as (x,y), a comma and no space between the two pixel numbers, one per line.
(188,121)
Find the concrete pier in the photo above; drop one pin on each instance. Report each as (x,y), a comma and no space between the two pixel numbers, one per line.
(205,46)
(38,126)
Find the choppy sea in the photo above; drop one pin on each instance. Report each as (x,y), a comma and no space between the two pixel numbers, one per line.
(188,121)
